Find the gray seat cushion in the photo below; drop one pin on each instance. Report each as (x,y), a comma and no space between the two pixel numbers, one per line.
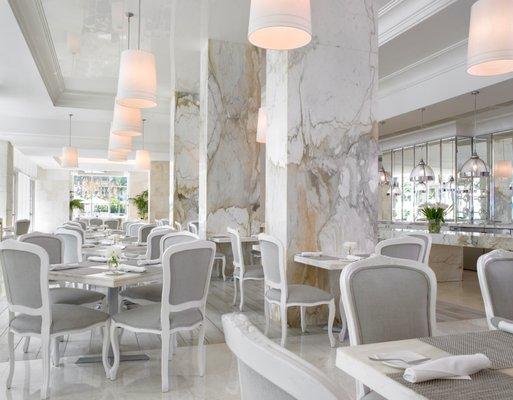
(65,317)
(74,296)
(149,317)
(251,272)
(146,292)
(301,294)
(372,396)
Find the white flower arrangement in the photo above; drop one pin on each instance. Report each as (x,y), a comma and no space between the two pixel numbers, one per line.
(113,252)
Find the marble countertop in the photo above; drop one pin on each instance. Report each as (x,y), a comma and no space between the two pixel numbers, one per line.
(451,238)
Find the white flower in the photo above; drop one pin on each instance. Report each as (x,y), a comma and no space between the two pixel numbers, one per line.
(113,252)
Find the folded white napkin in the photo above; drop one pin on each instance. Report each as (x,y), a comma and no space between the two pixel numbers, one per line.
(502,324)
(352,257)
(97,259)
(106,242)
(148,262)
(133,256)
(87,245)
(131,268)
(60,267)
(453,367)
(311,254)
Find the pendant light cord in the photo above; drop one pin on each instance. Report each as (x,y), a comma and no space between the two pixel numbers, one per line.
(129,15)
(139,29)
(474,93)
(70,115)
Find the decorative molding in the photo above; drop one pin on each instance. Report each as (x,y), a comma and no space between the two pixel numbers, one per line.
(399,16)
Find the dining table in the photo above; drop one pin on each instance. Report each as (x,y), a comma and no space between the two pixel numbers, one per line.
(494,383)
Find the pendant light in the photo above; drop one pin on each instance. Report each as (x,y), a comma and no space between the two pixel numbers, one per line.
(384,177)
(422,173)
(137,84)
(69,157)
(261,136)
(117,156)
(474,167)
(280,24)
(490,41)
(142,157)
(126,121)
(120,143)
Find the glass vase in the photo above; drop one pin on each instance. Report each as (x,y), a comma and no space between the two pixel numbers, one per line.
(434,225)
(113,263)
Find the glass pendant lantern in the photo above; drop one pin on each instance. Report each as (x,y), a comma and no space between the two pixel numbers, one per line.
(422,173)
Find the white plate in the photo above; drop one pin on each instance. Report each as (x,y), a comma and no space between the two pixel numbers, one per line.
(115,272)
(408,356)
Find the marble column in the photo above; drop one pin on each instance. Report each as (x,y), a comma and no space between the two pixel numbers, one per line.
(322,154)
(158,197)
(6,182)
(138,182)
(230,168)
(185,158)
(52,193)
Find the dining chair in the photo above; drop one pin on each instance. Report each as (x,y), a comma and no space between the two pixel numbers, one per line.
(178,226)
(152,292)
(143,232)
(153,242)
(133,229)
(193,227)
(53,246)
(21,227)
(75,223)
(406,247)
(495,274)
(387,299)
(95,222)
(112,224)
(270,372)
(278,291)
(241,271)
(186,276)
(80,231)
(82,223)
(32,311)
(126,224)
(72,244)
(428,241)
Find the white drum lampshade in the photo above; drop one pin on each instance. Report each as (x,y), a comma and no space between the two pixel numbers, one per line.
(137,84)
(490,41)
(120,143)
(127,121)
(69,157)
(118,156)
(262,125)
(142,160)
(280,24)
(503,169)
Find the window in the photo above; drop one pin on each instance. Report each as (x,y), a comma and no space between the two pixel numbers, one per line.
(103,195)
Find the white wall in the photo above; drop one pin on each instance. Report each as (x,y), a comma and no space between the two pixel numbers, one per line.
(52,199)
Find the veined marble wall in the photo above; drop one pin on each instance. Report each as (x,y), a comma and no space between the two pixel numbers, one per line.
(158,206)
(51,199)
(6,182)
(186,157)
(322,153)
(229,154)
(138,182)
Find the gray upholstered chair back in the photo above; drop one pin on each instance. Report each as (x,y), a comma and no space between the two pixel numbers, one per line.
(170,239)
(407,247)
(495,272)
(143,232)
(186,273)
(74,223)
(82,224)
(125,225)
(272,253)
(25,275)
(96,222)
(238,255)
(153,242)
(72,244)
(193,227)
(427,245)
(79,230)
(133,229)
(388,299)
(112,224)
(268,371)
(52,244)
(21,227)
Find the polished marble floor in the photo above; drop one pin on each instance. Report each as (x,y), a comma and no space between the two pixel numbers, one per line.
(459,310)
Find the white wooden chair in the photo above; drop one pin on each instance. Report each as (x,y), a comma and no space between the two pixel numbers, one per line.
(219,259)
(95,222)
(133,229)
(82,223)
(72,244)
(406,247)
(270,372)
(193,227)
(495,273)
(387,299)
(178,226)
(111,223)
(186,276)
(32,312)
(277,290)
(143,232)
(241,271)
(75,228)
(428,241)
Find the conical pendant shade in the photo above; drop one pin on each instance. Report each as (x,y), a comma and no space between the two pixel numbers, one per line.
(127,121)
(118,156)
(69,158)
(142,160)
(280,24)
(120,143)
(137,84)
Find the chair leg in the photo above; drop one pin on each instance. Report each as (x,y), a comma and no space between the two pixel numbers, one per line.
(241,305)
(303,318)
(165,362)
(331,319)
(26,344)
(10,345)
(105,348)
(172,346)
(201,350)
(223,267)
(55,355)
(283,317)
(267,313)
(45,349)
(234,290)
(114,341)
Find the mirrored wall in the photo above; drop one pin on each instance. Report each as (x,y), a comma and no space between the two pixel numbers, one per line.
(477,199)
